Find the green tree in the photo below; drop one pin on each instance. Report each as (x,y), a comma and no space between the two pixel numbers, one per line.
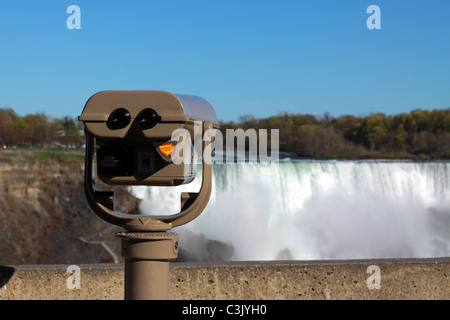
(8,133)
(374,130)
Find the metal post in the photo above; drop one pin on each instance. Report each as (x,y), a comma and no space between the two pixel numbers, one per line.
(147,256)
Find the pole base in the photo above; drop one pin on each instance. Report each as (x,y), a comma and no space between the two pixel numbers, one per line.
(147,256)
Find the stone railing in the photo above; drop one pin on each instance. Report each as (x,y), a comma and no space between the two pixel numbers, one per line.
(346,279)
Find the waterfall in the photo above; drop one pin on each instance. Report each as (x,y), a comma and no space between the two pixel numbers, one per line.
(320,209)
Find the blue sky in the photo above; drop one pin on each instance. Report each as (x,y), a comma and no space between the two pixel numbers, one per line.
(245,57)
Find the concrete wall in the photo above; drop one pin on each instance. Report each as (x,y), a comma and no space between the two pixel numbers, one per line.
(398,279)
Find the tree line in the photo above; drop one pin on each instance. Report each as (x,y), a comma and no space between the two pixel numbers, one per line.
(38,130)
(420,134)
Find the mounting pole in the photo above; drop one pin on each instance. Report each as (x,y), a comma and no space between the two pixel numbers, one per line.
(147,256)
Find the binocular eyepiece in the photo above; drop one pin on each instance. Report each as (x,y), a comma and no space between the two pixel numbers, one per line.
(120,118)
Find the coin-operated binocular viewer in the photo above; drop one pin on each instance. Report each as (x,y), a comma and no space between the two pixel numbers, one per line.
(131,133)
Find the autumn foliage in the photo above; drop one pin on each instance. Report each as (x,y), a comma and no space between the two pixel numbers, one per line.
(420,134)
(38,130)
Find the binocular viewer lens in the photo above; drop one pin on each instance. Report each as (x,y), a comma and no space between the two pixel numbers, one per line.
(147,118)
(120,118)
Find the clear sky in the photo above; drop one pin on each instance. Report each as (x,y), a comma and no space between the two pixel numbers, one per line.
(258,57)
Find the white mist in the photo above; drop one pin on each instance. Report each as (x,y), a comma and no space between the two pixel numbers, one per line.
(310,210)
